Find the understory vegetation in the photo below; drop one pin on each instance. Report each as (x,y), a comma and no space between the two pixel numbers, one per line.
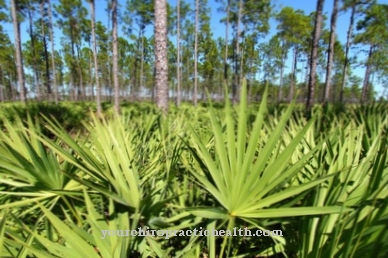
(66,174)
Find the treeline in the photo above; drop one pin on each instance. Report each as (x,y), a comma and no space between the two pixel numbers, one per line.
(82,66)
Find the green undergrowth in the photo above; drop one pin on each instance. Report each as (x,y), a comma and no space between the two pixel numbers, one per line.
(65,175)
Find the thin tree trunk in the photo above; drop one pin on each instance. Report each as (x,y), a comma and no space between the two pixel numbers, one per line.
(306,78)
(18,52)
(196,52)
(109,58)
(178,61)
(284,57)
(2,85)
(53,67)
(153,85)
(347,48)
(236,81)
(365,85)
(330,52)
(115,59)
(313,60)
(96,70)
(226,44)
(73,68)
(161,61)
(43,33)
(241,74)
(90,78)
(293,74)
(34,68)
(80,89)
(141,65)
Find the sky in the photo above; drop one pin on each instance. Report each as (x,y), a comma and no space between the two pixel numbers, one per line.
(218,28)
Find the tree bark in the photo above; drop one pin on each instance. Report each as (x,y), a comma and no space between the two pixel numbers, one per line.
(96,70)
(365,85)
(161,61)
(347,48)
(80,89)
(46,58)
(284,57)
(2,85)
(141,65)
(313,60)
(32,44)
(293,74)
(196,53)
(18,52)
(115,58)
(53,67)
(330,52)
(178,61)
(226,44)
(236,81)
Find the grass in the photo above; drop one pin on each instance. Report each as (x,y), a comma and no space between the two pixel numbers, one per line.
(323,182)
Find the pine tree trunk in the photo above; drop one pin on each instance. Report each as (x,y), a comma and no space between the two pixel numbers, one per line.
(330,52)
(46,58)
(236,81)
(226,44)
(178,61)
(141,65)
(53,67)
(115,58)
(347,48)
(18,52)
(96,70)
(161,61)
(365,85)
(293,74)
(313,58)
(196,53)
(80,89)
(280,93)
(34,68)
(2,85)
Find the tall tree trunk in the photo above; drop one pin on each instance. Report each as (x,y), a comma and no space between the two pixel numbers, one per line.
(153,84)
(280,93)
(313,58)
(109,13)
(73,68)
(330,52)
(135,77)
(34,68)
(2,84)
(306,77)
(196,52)
(365,85)
(293,74)
(236,81)
(46,58)
(178,51)
(96,70)
(115,58)
(18,52)
(226,44)
(141,65)
(347,48)
(161,61)
(53,67)
(90,78)
(80,90)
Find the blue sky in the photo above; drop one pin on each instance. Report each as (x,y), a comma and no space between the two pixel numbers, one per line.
(218,28)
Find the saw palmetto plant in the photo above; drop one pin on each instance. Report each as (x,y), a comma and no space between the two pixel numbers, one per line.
(323,182)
